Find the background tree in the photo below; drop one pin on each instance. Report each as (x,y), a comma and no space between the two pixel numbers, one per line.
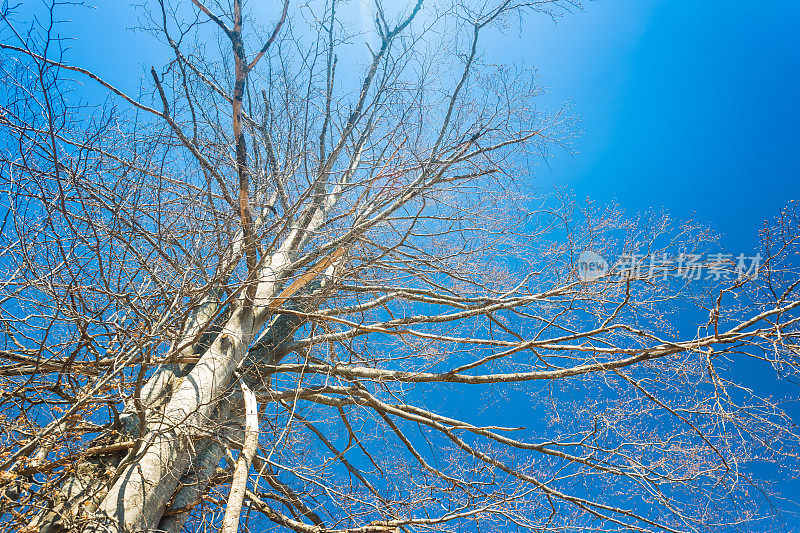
(284,286)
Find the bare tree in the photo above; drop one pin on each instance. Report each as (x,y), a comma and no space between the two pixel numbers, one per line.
(301,283)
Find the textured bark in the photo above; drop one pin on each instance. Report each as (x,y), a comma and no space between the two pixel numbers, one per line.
(193,484)
(138,498)
(233,508)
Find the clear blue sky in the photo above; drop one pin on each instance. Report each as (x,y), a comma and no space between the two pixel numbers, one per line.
(687,104)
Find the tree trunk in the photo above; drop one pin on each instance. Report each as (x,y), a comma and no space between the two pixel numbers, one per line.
(230,522)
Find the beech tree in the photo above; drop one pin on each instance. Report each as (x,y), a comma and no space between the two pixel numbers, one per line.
(303,281)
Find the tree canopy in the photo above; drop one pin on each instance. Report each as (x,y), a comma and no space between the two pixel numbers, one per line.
(305,281)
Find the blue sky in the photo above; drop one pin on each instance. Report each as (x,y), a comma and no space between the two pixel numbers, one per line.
(688,105)
(685,104)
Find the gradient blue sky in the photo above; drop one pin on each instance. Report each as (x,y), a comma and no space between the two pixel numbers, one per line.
(689,105)
(686,104)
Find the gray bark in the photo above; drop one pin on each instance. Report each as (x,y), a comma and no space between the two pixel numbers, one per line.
(230,522)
